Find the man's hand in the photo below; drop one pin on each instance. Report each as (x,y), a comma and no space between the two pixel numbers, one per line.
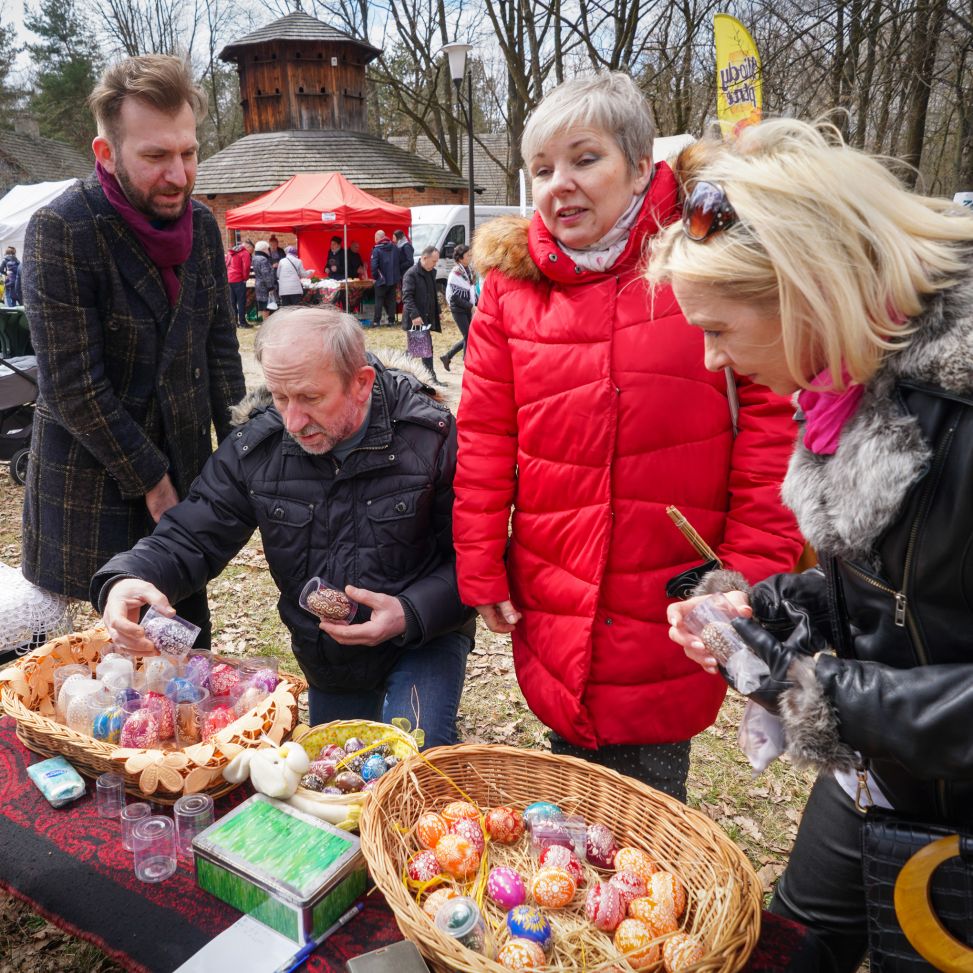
(501,617)
(161,497)
(691,643)
(387,621)
(122,609)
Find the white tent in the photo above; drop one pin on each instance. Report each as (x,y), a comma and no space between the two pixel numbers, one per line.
(667,147)
(19,205)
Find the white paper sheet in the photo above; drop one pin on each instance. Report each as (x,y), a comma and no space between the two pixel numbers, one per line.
(247,946)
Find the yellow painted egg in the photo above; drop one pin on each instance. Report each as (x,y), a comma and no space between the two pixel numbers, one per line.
(635,860)
(633,939)
(460,809)
(457,856)
(436,900)
(680,951)
(668,890)
(430,828)
(659,918)
(553,887)
(522,954)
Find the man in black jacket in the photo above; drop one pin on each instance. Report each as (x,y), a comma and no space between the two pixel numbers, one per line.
(420,302)
(387,273)
(349,477)
(407,253)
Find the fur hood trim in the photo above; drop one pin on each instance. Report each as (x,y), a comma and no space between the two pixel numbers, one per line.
(392,359)
(501,244)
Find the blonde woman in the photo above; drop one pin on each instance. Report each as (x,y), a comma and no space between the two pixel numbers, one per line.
(807,266)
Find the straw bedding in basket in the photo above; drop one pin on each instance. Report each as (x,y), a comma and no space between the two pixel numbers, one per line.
(724,894)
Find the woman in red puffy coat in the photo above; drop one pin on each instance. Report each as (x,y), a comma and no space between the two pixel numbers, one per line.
(586,408)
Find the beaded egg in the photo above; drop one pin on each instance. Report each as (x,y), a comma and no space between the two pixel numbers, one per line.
(633,940)
(459,809)
(521,954)
(629,886)
(423,866)
(435,901)
(373,767)
(635,860)
(659,919)
(430,828)
(311,782)
(471,831)
(563,858)
(457,856)
(526,922)
(218,718)
(223,679)
(161,705)
(108,724)
(680,951)
(503,825)
(603,907)
(553,887)
(600,846)
(506,887)
(666,889)
(541,811)
(141,730)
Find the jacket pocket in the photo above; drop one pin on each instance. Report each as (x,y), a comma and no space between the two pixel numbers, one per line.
(285,526)
(401,530)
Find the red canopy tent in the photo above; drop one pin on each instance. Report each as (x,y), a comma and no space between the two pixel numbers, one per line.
(315,205)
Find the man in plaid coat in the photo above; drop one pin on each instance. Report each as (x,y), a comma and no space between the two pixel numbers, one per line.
(126,292)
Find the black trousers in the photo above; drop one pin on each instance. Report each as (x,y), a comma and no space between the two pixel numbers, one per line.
(462,319)
(384,301)
(238,291)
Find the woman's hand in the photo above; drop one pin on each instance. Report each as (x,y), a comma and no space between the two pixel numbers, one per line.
(123,605)
(501,618)
(676,614)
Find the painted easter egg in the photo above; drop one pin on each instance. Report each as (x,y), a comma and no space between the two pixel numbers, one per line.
(680,951)
(521,954)
(503,825)
(506,887)
(312,782)
(423,866)
(141,730)
(666,889)
(603,907)
(349,781)
(553,887)
(660,919)
(158,669)
(265,679)
(629,886)
(217,719)
(526,922)
(430,828)
(435,901)
(457,856)
(183,690)
(223,679)
(635,860)
(198,670)
(541,811)
(563,858)
(471,831)
(250,697)
(108,724)
(325,769)
(633,940)
(459,809)
(163,708)
(330,751)
(373,767)
(354,744)
(600,846)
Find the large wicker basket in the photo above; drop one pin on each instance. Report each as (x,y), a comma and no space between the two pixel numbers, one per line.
(165,775)
(723,890)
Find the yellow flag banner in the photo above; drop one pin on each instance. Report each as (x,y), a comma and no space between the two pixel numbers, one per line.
(739,99)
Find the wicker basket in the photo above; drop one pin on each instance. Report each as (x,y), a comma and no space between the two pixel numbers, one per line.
(723,890)
(165,775)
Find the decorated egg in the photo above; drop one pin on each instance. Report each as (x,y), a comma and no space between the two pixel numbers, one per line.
(330,751)
(373,767)
(198,669)
(391,760)
(311,782)
(331,789)
(634,941)
(435,901)
(126,695)
(354,744)
(470,830)
(629,886)
(635,860)
(457,856)
(349,781)
(162,706)
(223,679)
(563,858)
(526,922)
(430,828)
(218,718)
(459,809)
(541,811)
(506,887)
(265,679)
(354,764)
(323,768)
(521,954)
(680,951)
(603,907)
(108,724)
(369,785)
(553,887)
(423,866)
(666,889)
(503,825)
(659,919)
(600,847)
(183,690)
(141,730)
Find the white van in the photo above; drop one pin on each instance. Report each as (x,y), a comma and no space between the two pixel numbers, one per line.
(444,227)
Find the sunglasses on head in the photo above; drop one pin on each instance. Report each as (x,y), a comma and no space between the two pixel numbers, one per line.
(706,211)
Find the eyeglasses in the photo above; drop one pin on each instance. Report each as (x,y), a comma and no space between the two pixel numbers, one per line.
(707,211)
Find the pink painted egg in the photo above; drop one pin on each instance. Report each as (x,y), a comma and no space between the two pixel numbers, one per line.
(666,889)
(218,718)
(423,866)
(506,887)
(680,951)
(331,751)
(323,767)
(457,856)
(436,900)
(141,730)
(430,828)
(459,809)
(600,846)
(522,954)
(629,886)
(553,887)
(162,706)
(635,860)
(563,858)
(503,825)
(471,831)
(603,907)
(223,679)
(633,940)
(660,919)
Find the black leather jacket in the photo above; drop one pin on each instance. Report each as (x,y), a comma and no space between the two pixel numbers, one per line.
(901,682)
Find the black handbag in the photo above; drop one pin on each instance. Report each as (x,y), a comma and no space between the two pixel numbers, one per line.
(919,895)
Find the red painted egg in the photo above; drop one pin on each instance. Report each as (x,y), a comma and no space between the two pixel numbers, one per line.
(600,846)
(503,825)
(430,828)
(423,866)
(603,907)
(629,886)
(633,940)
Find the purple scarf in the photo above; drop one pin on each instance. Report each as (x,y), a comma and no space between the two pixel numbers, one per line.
(167,247)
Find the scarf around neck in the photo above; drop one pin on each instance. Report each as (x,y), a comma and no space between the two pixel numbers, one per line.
(603,253)
(168,246)
(825,413)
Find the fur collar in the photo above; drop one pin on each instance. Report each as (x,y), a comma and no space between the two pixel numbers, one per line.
(844,502)
(501,244)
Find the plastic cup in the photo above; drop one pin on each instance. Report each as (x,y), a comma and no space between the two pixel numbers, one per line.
(154,847)
(173,637)
(261,672)
(116,670)
(110,794)
(193,814)
(214,713)
(329,603)
(569,831)
(160,701)
(61,675)
(130,815)
(83,701)
(187,718)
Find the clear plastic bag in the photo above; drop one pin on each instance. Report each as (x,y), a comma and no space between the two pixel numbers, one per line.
(761,736)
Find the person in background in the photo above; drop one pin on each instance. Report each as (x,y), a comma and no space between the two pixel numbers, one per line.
(354,262)
(290,278)
(137,356)
(237,274)
(335,267)
(420,301)
(264,278)
(276,252)
(586,407)
(461,297)
(407,253)
(806,264)
(10,269)
(387,272)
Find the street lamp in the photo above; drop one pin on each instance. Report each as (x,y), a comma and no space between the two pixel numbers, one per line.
(456,53)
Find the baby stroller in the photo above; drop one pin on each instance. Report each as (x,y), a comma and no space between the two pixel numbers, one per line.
(18,392)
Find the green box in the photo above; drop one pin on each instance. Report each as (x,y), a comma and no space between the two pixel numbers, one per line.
(285,868)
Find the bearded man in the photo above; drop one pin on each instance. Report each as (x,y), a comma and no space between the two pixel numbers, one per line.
(349,477)
(130,316)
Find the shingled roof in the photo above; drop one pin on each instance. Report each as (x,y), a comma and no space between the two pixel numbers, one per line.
(27,159)
(297,26)
(264,160)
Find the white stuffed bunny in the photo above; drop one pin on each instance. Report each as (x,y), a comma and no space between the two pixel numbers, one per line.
(274,771)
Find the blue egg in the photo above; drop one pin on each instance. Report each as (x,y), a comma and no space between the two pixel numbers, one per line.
(373,767)
(541,811)
(184,690)
(108,724)
(526,922)
(127,695)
